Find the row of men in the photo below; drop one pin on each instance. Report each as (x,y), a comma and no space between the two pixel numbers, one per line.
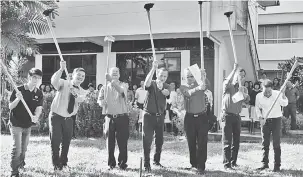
(113,99)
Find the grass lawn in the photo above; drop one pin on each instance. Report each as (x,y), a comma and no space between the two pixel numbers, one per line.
(88,157)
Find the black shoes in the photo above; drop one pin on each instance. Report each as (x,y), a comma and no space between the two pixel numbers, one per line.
(15,175)
(147,168)
(123,167)
(111,167)
(228,167)
(263,167)
(234,165)
(58,167)
(191,168)
(158,164)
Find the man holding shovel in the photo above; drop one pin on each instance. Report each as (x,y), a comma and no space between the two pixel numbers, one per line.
(234,94)
(20,121)
(113,99)
(154,113)
(196,119)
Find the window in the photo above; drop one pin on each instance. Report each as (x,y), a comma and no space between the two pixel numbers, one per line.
(286,33)
(134,67)
(50,64)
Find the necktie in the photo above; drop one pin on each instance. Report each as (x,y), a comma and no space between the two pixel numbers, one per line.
(71,102)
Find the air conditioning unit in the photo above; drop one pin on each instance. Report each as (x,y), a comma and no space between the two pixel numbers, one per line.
(268,3)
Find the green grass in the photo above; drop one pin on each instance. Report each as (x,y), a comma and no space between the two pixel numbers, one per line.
(88,157)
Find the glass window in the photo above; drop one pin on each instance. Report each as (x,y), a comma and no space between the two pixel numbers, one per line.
(271,32)
(270,41)
(297,31)
(261,41)
(283,31)
(261,32)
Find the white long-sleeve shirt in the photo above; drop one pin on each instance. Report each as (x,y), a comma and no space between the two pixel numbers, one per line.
(263,105)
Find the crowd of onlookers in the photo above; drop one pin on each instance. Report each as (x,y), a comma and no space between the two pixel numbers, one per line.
(90,119)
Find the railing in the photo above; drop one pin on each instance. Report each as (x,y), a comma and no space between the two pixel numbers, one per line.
(252,43)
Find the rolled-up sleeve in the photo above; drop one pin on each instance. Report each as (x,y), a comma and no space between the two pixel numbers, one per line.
(283,102)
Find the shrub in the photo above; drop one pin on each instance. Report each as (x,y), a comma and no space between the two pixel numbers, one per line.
(285,125)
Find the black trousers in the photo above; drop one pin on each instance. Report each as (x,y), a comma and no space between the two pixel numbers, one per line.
(61,130)
(152,124)
(117,128)
(196,129)
(272,126)
(74,125)
(231,138)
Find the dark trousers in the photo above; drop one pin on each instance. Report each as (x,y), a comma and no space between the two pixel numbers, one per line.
(74,125)
(61,130)
(117,128)
(271,126)
(196,129)
(291,110)
(231,138)
(152,124)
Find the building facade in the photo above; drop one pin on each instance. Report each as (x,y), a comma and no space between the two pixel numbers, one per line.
(82,27)
(280,36)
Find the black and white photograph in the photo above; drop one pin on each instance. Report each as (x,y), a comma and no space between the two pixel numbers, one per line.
(96,88)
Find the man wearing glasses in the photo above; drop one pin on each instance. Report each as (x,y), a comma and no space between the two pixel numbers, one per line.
(195,121)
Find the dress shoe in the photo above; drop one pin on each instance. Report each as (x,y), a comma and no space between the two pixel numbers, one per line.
(276,169)
(200,172)
(147,168)
(263,167)
(234,165)
(15,175)
(228,167)
(111,167)
(123,167)
(158,164)
(191,168)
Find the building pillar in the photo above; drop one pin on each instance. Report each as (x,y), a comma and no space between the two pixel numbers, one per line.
(217,82)
(38,64)
(101,64)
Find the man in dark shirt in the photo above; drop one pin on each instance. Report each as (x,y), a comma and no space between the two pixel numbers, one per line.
(154,113)
(230,118)
(20,121)
(195,121)
(292,94)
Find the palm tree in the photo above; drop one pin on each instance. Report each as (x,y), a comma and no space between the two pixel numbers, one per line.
(19,19)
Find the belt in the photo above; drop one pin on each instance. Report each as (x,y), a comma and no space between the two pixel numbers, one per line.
(155,114)
(116,115)
(271,119)
(233,114)
(196,114)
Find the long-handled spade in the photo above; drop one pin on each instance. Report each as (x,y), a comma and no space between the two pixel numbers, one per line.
(147,7)
(109,40)
(16,89)
(201,41)
(47,13)
(299,61)
(228,14)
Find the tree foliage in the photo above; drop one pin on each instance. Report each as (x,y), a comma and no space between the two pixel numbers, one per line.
(20,19)
(297,74)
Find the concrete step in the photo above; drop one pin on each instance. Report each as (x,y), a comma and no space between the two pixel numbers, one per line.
(296,132)
(244,137)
